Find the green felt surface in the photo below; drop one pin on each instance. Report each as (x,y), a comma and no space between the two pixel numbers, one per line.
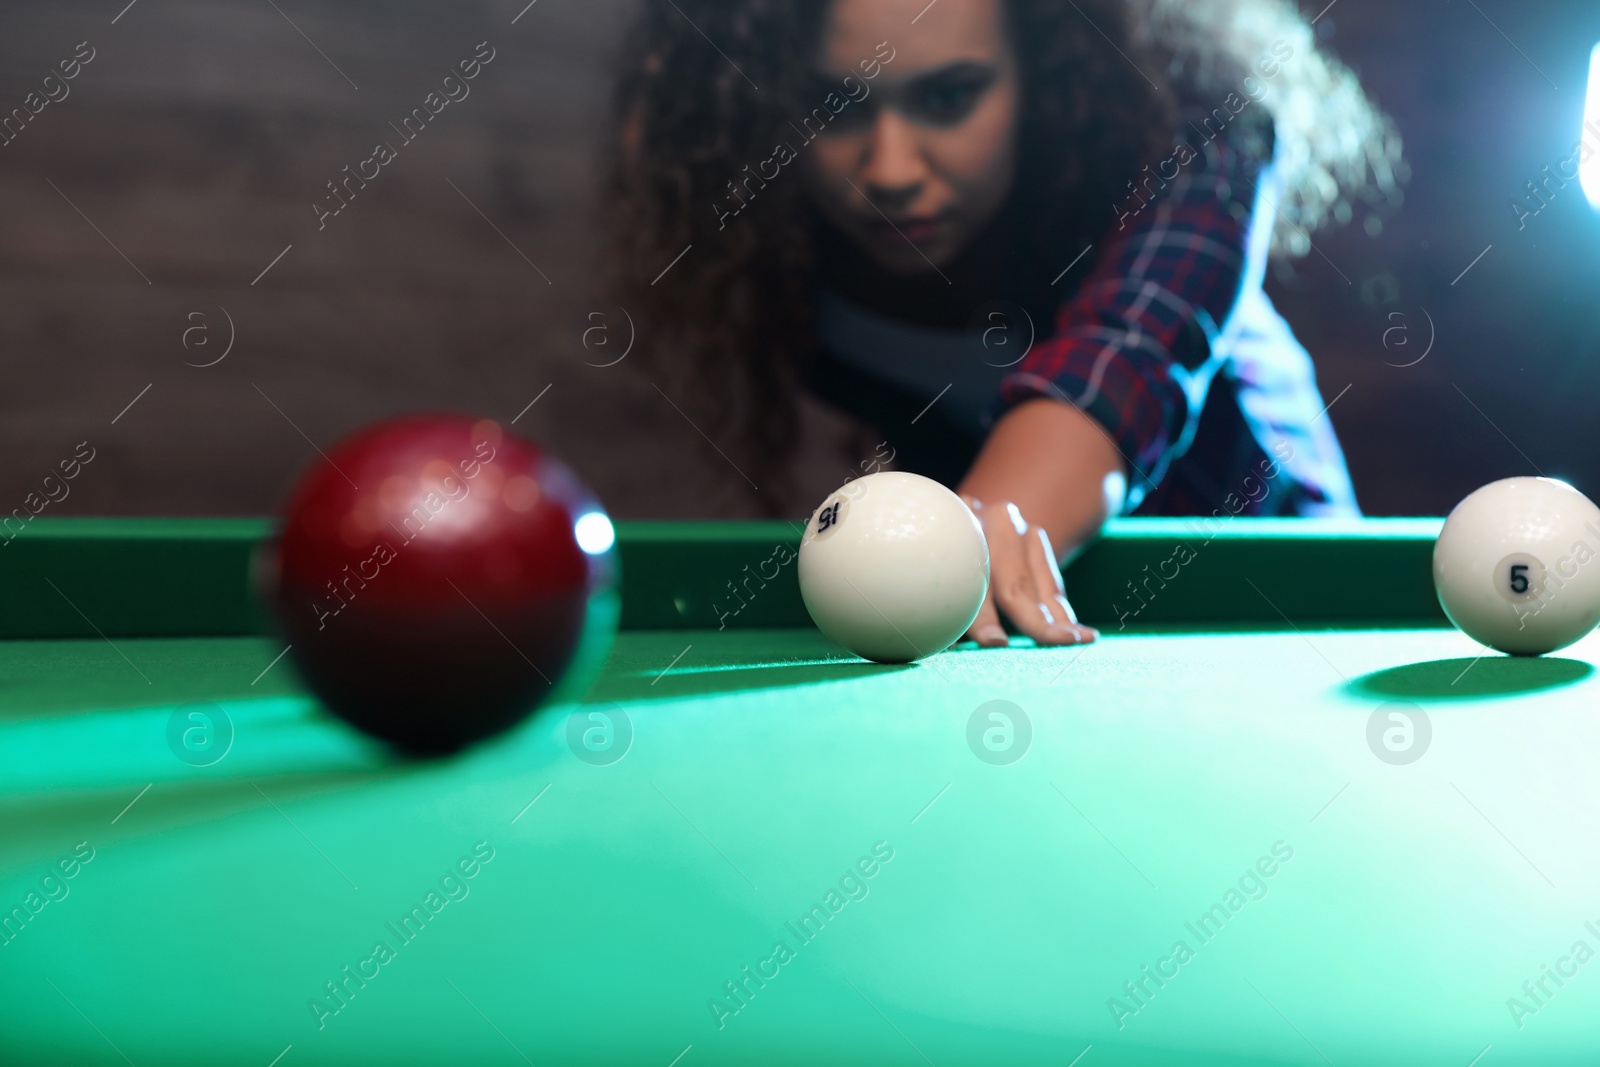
(621,898)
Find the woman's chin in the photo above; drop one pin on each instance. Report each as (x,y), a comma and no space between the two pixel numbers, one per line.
(908,260)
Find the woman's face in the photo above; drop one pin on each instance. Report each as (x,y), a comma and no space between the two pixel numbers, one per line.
(915,169)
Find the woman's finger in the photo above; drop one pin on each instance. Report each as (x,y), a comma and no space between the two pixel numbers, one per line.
(1011,585)
(1019,594)
(1047,577)
(986,628)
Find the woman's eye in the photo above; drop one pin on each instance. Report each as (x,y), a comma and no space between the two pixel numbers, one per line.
(946,103)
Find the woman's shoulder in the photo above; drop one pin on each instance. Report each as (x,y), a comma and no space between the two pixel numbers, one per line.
(1234,127)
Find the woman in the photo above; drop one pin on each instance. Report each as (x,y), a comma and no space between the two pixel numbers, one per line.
(1024,240)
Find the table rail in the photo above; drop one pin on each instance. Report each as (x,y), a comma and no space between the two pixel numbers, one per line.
(133,577)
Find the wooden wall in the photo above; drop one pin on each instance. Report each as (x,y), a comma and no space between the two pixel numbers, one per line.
(199,136)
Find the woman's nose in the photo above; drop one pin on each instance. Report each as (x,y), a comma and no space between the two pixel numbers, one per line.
(894,169)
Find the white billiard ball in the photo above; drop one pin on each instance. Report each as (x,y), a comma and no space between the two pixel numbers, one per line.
(894,567)
(1517,565)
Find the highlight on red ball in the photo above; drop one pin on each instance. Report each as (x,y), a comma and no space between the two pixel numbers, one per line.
(438,578)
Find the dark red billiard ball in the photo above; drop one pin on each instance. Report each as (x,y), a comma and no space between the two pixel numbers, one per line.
(437,578)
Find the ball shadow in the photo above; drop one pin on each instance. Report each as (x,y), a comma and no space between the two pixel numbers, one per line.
(647,665)
(733,678)
(1465,679)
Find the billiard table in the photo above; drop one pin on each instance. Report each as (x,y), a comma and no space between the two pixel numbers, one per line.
(1279,814)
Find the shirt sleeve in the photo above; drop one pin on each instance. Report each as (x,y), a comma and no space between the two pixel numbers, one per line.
(1136,345)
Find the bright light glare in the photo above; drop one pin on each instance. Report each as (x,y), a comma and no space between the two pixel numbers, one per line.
(594,533)
(1591,131)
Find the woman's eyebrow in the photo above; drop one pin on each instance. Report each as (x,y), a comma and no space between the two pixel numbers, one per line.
(958,70)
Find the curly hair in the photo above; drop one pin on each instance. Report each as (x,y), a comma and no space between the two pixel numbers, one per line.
(730,325)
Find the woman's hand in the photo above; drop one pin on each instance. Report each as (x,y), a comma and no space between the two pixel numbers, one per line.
(1046,480)
(1024,582)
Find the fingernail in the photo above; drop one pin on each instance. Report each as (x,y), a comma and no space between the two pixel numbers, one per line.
(1070,634)
(993,635)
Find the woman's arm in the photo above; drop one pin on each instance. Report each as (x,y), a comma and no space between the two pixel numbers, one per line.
(1044,483)
(1070,496)
(1115,393)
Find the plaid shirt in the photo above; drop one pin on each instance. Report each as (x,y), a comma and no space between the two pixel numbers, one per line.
(1171,345)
